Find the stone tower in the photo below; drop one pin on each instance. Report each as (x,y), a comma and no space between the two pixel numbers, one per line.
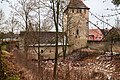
(76,18)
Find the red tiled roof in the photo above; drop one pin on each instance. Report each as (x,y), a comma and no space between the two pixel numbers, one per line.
(95,34)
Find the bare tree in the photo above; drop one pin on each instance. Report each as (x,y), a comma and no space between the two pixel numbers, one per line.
(2,75)
(23,11)
(47,25)
(56,12)
(2,18)
(12,24)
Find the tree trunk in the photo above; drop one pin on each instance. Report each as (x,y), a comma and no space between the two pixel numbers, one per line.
(65,46)
(111,48)
(39,53)
(56,21)
(2,75)
(26,38)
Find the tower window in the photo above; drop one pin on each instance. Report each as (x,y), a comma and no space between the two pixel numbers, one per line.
(50,51)
(84,10)
(77,31)
(76,36)
(87,23)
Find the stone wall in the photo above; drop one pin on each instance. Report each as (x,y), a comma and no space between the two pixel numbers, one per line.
(104,46)
(76,27)
(48,52)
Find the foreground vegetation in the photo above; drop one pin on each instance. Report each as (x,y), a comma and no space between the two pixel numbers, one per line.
(91,68)
(6,72)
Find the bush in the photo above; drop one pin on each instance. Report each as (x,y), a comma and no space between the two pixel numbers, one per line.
(15,77)
(4,47)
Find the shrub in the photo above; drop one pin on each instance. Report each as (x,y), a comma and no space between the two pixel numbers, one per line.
(15,77)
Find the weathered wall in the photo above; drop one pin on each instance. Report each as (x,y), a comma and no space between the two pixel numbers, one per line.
(104,46)
(76,27)
(46,52)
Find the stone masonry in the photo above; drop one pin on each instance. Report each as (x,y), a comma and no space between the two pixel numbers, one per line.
(76,18)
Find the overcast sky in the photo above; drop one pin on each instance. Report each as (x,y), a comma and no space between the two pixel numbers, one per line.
(97,7)
(102,8)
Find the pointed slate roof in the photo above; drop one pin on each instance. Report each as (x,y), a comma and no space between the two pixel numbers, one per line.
(77,4)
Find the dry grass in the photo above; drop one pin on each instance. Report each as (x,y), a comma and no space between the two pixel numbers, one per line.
(88,69)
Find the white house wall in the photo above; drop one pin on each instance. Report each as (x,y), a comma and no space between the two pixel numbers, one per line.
(46,52)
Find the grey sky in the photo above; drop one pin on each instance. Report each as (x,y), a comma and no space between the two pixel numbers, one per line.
(97,7)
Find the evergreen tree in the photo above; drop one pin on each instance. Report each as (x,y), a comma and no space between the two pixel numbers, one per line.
(116,2)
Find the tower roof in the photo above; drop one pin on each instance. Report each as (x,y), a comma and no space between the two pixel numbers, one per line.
(77,4)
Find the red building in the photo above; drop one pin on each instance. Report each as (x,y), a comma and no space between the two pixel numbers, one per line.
(95,35)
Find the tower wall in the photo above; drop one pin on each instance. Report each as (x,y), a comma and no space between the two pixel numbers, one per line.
(76,27)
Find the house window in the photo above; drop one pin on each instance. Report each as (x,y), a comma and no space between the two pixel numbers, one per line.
(80,11)
(77,11)
(100,37)
(95,37)
(50,51)
(73,10)
(42,51)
